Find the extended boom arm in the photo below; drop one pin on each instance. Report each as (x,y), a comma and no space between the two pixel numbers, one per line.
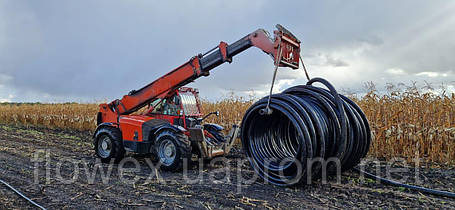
(284,49)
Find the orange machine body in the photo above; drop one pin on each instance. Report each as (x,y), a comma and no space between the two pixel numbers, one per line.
(138,129)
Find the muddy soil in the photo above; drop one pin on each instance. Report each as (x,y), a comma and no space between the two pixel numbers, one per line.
(134,184)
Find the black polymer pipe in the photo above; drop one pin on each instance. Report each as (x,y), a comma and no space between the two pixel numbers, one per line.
(311,130)
(308,123)
(410,187)
(22,195)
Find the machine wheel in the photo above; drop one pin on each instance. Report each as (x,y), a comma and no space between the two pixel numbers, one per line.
(172,149)
(108,144)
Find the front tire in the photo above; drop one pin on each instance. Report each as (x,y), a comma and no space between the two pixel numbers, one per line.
(172,150)
(108,144)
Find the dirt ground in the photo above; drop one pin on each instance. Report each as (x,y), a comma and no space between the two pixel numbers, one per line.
(217,186)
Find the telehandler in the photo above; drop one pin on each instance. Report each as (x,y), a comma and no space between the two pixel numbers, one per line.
(172,128)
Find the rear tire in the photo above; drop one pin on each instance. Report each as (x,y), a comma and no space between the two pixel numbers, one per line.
(172,150)
(109,145)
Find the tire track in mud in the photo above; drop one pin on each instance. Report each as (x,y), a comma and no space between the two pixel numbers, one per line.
(18,145)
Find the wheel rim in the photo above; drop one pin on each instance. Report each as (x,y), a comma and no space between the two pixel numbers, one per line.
(105,147)
(167,152)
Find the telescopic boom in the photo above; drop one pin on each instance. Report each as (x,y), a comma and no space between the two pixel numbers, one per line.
(284,48)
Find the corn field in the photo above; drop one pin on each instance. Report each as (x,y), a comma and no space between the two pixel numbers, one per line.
(407,124)
(64,116)
(411,125)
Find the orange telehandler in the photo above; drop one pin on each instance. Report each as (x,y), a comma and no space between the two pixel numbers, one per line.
(172,127)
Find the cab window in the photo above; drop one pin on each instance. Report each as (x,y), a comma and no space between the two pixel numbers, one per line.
(157,105)
(169,106)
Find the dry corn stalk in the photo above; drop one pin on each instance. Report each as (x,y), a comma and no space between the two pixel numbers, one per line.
(404,124)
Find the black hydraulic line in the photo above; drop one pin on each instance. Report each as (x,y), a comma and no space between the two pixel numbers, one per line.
(22,195)
(411,187)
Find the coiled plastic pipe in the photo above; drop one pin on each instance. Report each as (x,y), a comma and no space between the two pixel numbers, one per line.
(311,130)
(310,133)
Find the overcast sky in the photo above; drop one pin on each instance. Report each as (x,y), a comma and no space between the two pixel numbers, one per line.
(91,51)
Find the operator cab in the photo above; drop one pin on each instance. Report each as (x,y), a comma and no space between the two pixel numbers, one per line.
(180,108)
(166,106)
(183,108)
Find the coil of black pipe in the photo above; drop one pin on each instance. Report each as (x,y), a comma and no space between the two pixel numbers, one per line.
(311,131)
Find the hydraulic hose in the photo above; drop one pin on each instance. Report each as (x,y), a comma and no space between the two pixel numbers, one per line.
(310,131)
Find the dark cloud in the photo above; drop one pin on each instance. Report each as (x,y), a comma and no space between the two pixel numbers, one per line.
(96,50)
(330,61)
